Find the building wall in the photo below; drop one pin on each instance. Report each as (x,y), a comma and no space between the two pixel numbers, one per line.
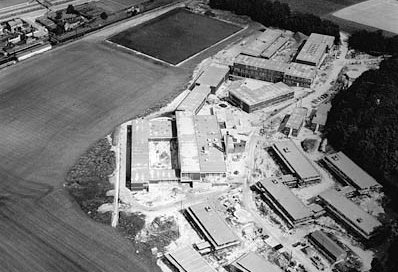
(250,108)
(326,252)
(257,73)
(297,81)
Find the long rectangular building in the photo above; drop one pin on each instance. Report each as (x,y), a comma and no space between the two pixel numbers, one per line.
(300,75)
(329,248)
(314,49)
(186,259)
(252,262)
(213,76)
(195,99)
(349,213)
(263,41)
(283,201)
(139,154)
(296,162)
(294,122)
(211,226)
(274,47)
(349,172)
(250,100)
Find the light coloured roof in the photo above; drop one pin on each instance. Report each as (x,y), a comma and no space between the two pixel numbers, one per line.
(262,42)
(252,262)
(139,151)
(194,99)
(261,63)
(269,35)
(324,107)
(187,145)
(213,75)
(216,229)
(186,259)
(296,160)
(274,47)
(314,48)
(262,94)
(331,246)
(208,138)
(350,211)
(161,128)
(285,197)
(301,70)
(296,118)
(356,174)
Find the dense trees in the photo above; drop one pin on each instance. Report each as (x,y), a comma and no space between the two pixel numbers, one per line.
(373,42)
(274,13)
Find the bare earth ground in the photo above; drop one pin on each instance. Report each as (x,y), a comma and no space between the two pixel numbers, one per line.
(382,14)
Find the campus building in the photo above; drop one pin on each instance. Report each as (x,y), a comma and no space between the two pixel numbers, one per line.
(265,45)
(349,214)
(314,49)
(259,68)
(252,262)
(213,76)
(329,248)
(211,226)
(186,259)
(200,148)
(284,202)
(296,162)
(139,155)
(299,75)
(251,100)
(319,118)
(350,173)
(292,123)
(195,99)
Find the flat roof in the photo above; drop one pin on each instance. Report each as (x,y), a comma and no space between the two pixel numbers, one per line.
(324,107)
(161,128)
(213,226)
(356,174)
(186,259)
(139,151)
(274,47)
(187,145)
(314,47)
(297,161)
(213,75)
(194,99)
(209,142)
(263,41)
(296,118)
(301,71)
(269,35)
(328,244)
(252,262)
(285,197)
(350,211)
(262,94)
(261,63)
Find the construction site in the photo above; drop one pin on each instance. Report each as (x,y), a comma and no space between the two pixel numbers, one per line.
(238,160)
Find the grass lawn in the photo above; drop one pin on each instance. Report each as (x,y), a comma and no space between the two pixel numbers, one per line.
(175,36)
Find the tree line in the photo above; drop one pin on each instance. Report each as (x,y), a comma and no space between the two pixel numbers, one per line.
(373,42)
(274,13)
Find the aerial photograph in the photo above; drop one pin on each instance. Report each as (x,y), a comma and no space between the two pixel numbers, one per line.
(198,135)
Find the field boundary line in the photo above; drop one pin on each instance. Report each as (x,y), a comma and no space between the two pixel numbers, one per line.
(211,46)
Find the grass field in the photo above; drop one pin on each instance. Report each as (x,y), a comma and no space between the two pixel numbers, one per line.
(319,7)
(382,14)
(9,3)
(51,109)
(175,36)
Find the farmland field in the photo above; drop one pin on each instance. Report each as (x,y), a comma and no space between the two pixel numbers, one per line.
(51,109)
(175,36)
(9,3)
(382,14)
(319,7)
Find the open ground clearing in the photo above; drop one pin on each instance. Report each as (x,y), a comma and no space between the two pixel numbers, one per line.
(10,3)
(157,37)
(382,14)
(319,7)
(51,109)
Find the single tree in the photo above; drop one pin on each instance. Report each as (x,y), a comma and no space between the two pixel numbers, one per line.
(104,16)
(70,9)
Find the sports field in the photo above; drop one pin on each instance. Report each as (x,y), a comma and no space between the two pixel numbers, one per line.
(51,109)
(175,36)
(10,3)
(382,14)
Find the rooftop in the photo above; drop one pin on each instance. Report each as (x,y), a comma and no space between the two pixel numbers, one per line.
(296,118)
(296,160)
(188,260)
(314,47)
(285,197)
(262,94)
(194,99)
(161,128)
(214,227)
(331,246)
(350,211)
(252,262)
(210,148)
(213,75)
(359,177)
(139,151)
(301,70)
(187,145)
(262,42)
(261,63)
(274,47)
